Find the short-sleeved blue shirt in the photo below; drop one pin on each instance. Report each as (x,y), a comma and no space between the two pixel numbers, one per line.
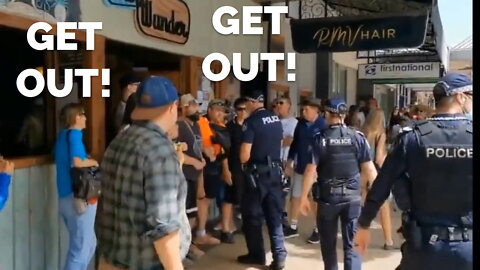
(394,168)
(4,184)
(264,131)
(64,159)
(360,142)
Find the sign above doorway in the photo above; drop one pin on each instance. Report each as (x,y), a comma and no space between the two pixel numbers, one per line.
(163,19)
(341,34)
(399,71)
(127,4)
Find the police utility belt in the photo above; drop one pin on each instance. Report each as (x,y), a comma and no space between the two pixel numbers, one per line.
(322,190)
(254,170)
(417,234)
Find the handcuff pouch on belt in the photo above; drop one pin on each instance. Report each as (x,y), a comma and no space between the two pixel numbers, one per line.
(411,231)
(316,192)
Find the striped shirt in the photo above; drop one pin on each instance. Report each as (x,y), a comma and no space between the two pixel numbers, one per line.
(143,198)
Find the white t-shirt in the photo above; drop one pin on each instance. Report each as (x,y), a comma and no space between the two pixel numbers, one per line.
(289,124)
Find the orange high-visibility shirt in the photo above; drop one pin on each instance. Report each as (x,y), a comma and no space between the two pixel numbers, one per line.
(207,134)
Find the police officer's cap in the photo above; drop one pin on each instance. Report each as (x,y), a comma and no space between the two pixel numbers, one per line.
(336,106)
(451,84)
(255,96)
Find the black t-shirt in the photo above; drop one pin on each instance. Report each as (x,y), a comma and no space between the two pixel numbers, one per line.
(264,131)
(236,133)
(190,134)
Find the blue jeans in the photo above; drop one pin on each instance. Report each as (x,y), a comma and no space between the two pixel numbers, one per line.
(82,239)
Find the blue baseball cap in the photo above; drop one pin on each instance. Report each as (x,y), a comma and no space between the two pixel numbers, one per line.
(453,83)
(336,106)
(152,95)
(256,96)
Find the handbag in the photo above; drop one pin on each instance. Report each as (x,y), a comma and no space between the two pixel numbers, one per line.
(86,184)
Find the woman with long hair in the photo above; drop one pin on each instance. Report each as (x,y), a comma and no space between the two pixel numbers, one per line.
(78,214)
(375,133)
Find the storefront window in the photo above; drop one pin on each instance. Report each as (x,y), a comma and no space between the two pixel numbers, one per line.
(28,126)
(22,119)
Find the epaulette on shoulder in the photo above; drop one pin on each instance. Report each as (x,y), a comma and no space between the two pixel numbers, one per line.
(359,133)
(406,129)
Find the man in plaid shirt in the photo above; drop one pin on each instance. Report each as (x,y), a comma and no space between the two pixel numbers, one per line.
(143,224)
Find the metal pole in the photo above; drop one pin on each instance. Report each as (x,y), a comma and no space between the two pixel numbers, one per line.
(300,9)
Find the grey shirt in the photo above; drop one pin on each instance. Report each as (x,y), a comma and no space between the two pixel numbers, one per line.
(143,198)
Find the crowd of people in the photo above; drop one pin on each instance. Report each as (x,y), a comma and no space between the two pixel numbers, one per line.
(168,164)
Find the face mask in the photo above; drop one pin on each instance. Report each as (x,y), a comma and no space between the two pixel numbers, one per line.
(194,117)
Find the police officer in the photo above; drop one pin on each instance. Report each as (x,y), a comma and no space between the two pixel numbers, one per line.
(340,157)
(433,160)
(260,154)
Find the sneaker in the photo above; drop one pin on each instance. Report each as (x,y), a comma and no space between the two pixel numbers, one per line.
(206,240)
(388,247)
(276,265)
(314,238)
(218,227)
(290,233)
(247,259)
(227,238)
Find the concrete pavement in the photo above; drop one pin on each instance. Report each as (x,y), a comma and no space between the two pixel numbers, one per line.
(304,256)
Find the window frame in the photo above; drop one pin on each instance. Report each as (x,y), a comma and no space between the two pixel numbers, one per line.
(94,106)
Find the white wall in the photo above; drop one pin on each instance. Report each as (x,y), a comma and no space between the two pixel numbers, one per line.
(118,24)
(348,59)
(352,75)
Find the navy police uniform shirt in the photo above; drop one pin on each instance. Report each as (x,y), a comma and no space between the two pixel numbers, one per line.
(396,166)
(319,151)
(264,131)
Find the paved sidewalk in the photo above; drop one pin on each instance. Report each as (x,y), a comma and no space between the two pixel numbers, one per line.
(303,256)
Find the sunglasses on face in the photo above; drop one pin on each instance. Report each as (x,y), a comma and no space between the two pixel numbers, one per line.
(240,109)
